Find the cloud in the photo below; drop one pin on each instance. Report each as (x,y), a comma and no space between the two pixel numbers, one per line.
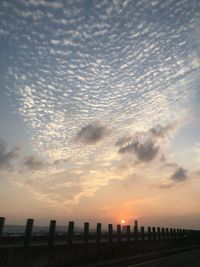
(171,165)
(168,164)
(91,134)
(99,79)
(34,164)
(123,140)
(7,157)
(179,175)
(144,144)
(145,152)
(92,77)
(159,131)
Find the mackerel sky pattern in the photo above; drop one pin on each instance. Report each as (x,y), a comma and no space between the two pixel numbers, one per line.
(127,64)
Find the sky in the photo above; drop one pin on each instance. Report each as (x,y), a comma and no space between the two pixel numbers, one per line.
(99,111)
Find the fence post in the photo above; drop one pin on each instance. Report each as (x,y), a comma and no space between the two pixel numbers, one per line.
(2,221)
(188,234)
(28,232)
(182,234)
(175,234)
(149,233)
(154,233)
(178,234)
(136,232)
(158,233)
(171,234)
(118,233)
(167,233)
(98,233)
(163,233)
(110,232)
(128,233)
(70,233)
(86,232)
(142,233)
(52,230)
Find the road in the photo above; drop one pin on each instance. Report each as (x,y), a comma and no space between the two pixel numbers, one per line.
(186,259)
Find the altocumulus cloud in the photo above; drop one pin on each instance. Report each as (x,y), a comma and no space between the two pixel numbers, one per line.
(179,175)
(6,157)
(146,151)
(34,163)
(159,131)
(91,133)
(144,144)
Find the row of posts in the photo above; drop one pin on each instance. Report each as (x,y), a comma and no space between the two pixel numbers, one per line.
(151,234)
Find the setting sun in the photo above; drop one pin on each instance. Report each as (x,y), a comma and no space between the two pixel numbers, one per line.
(122,221)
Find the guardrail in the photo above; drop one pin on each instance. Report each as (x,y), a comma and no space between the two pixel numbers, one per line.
(71,236)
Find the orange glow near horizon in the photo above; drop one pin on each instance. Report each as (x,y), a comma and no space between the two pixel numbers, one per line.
(123,221)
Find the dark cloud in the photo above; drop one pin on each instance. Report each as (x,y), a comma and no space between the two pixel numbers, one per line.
(171,165)
(6,157)
(123,140)
(179,175)
(159,131)
(144,151)
(91,134)
(58,161)
(144,144)
(33,164)
(168,164)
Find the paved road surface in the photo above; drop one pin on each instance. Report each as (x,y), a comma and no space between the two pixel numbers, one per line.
(186,259)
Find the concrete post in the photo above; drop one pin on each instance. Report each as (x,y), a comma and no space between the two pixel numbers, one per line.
(142,233)
(136,232)
(118,233)
(2,221)
(163,233)
(86,232)
(158,233)
(70,233)
(110,232)
(98,233)
(28,232)
(52,230)
(154,233)
(149,233)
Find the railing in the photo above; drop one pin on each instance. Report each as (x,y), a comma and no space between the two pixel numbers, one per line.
(119,235)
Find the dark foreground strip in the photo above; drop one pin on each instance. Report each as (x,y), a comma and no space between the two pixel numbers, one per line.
(162,258)
(141,258)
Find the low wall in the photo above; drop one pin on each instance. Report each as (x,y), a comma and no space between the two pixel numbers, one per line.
(66,255)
